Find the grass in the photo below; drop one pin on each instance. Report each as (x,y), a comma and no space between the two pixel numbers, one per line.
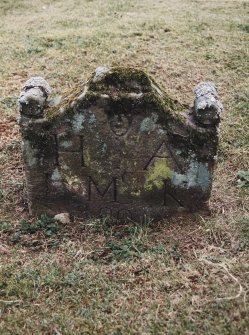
(187,275)
(123,282)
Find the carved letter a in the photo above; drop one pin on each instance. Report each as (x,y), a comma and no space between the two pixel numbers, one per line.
(160,152)
(163,151)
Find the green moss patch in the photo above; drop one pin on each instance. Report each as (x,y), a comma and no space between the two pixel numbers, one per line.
(157,175)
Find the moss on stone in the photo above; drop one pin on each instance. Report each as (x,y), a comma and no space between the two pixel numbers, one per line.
(168,107)
(123,79)
(117,83)
(67,98)
(157,174)
(67,106)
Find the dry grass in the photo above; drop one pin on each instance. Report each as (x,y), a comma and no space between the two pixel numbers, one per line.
(185,276)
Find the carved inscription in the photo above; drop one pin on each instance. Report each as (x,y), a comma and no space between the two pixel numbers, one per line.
(120,123)
(64,150)
(112,187)
(105,211)
(163,151)
(168,195)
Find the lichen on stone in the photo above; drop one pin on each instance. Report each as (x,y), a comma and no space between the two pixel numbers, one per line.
(31,153)
(149,123)
(78,122)
(196,176)
(157,174)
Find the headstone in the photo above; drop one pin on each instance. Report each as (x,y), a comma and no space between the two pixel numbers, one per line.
(118,146)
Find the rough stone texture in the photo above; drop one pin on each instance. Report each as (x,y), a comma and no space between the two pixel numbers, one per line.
(207,105)
(62,218)
(118,146)
(33,96)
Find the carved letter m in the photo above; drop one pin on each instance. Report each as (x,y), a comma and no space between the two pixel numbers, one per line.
(106,190)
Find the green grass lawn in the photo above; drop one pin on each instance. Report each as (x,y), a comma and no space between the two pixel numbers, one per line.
(187,275)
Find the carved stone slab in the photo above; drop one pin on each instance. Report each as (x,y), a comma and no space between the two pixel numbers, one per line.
(118,146)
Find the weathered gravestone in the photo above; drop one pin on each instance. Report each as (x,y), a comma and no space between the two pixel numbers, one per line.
(118,146)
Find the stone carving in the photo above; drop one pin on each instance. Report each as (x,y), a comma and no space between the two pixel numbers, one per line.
(118,146)
(207,105)
(34,96)
(120,123)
